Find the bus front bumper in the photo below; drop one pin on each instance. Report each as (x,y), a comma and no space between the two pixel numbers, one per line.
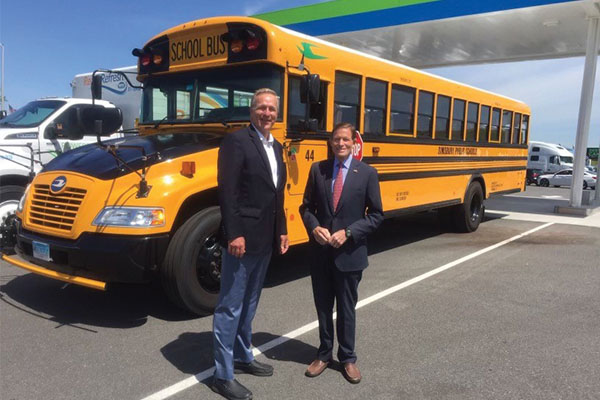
(17,261)
(94,257)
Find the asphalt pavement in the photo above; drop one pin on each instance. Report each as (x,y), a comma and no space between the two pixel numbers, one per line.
(511,311)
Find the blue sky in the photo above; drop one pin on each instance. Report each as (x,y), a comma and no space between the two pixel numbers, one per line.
(48,42)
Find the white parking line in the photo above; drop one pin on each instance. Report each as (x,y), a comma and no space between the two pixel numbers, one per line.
(192,380)
(545,197)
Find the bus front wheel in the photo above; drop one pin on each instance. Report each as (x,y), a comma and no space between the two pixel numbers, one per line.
(191,271)
(469,215)
(9,199)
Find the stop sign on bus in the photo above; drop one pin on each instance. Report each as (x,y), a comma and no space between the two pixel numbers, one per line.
(357,149)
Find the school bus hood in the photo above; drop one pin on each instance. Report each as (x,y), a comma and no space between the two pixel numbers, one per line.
(95,161)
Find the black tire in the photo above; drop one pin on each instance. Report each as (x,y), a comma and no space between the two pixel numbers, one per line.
(446,218)
(544,183)
(10,195)
(528,181)
(584,184)
(191,271)
(469,215)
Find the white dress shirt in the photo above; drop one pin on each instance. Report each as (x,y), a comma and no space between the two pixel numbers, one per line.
(268,145)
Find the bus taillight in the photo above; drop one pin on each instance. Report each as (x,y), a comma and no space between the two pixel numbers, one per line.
(236,46)
(145,60)
(252,43)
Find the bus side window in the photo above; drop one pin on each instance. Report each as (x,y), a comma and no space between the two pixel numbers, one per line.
(516,128)
(402,114)
(375,107)
(347,98)
(524,129)
(442,117)
(425,114)
(458,120)
(297,110)
(484,124)
(507,117)
(495,137)
(472,115)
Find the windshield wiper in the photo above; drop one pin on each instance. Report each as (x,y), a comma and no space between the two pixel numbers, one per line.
(160,122)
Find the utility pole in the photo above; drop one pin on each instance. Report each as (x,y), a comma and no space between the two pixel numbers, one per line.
(2,82)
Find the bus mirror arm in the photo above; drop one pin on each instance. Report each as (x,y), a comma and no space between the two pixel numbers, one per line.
(111,149)
(97,82)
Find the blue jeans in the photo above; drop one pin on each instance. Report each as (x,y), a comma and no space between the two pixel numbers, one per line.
(241,283)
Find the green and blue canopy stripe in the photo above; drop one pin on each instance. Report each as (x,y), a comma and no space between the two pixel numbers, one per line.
(339,16)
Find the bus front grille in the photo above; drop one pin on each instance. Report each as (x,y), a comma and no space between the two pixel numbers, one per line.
(55,210)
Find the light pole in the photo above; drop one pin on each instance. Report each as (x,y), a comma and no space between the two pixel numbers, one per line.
(2,79)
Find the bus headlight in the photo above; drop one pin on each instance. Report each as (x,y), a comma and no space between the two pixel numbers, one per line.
(23,199)
(131,217)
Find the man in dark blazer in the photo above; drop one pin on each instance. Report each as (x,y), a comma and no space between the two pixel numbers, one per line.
(251,179)
(341,206)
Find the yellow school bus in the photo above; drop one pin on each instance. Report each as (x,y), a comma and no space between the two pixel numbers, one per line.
(136,208)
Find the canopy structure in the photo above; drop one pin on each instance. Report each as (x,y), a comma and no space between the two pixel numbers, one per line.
(430,33)
(435,33)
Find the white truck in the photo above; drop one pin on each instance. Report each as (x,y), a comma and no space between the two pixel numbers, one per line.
(548,157)
(114,89)
(31,136)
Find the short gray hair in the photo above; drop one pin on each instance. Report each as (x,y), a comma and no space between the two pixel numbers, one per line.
(263,91)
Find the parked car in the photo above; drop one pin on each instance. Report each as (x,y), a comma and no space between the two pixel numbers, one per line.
(565,177)
(532,176)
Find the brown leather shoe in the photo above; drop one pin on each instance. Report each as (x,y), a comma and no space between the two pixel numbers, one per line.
(316,368)
(352,373)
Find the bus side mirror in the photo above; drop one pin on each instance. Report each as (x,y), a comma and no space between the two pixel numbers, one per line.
(310,89)
(65,126)
(92,117)
(97,87)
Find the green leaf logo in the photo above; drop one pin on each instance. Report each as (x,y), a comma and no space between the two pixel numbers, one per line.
(307,51)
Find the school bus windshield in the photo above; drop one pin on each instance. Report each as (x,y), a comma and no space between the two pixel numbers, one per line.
(217,95)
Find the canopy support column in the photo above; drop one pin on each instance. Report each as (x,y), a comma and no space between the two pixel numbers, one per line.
(585,110)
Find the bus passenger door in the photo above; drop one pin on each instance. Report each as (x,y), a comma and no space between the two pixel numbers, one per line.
(306,139)
(300,155)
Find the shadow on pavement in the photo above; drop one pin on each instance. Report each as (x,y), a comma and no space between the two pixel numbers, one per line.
(293,350)
(394,232)
(192,353)
(126,306)
(129,306)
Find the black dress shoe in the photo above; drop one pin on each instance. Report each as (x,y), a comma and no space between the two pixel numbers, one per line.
(254,368)
(231,390)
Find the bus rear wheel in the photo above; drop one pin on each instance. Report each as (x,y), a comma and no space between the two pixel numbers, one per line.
(469,215)
(191,271)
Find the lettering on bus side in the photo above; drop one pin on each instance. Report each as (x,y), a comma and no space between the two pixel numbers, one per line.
(191,49)
(401,196)
(461,151)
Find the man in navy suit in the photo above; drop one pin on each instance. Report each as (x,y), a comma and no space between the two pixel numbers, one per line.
(341,206)
(251,178)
